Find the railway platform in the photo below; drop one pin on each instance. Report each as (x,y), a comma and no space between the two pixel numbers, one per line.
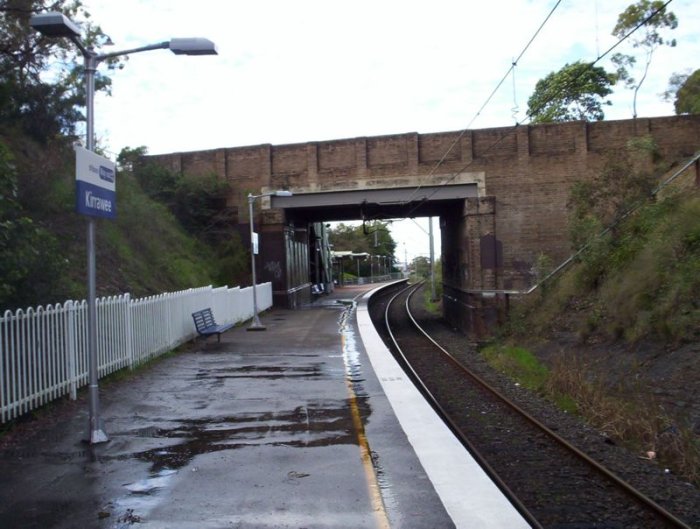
(308,424)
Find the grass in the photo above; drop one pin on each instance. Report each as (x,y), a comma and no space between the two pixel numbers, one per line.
(625,415)
(653,274)
(517,363)
(434,306)
(639,283)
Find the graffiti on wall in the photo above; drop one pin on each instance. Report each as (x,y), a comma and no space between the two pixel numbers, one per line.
(275,268)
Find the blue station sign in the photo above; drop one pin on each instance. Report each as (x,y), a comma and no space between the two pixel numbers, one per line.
(96,190)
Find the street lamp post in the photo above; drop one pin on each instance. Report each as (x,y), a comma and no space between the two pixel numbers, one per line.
(256,324)
(55,24)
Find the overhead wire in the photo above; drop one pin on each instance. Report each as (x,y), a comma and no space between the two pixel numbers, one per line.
(633,30)
(620,41)
(529,115)
(514,111)
(488,100)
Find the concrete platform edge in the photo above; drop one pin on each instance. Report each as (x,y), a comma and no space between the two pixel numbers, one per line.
(471,499)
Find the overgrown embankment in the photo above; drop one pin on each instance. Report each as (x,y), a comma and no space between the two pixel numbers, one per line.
(616,337)
(153,246)
(637,283)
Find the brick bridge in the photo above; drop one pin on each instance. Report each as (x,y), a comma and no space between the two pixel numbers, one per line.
(500,194)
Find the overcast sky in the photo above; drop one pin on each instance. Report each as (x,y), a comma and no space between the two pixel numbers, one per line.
(299,71)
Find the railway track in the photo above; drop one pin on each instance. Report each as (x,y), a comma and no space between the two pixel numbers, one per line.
(552,483)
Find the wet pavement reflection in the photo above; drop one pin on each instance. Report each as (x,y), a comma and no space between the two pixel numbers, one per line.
(262,372)
(321,423)
(258,431)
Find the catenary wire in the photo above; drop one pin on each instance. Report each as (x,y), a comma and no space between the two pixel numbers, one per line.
(488,100)
(528,117)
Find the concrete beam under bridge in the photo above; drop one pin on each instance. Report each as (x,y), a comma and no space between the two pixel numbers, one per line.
(373,203)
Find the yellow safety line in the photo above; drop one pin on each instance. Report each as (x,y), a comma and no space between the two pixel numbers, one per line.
(375,494)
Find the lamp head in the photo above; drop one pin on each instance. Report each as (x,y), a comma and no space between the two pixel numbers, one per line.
(54,24)
(193,46)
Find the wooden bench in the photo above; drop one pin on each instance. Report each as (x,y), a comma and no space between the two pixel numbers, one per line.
(206,326)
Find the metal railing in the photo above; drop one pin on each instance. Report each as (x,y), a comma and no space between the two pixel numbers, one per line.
(43,351)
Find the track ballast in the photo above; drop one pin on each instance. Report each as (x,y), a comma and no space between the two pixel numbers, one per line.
(552,483)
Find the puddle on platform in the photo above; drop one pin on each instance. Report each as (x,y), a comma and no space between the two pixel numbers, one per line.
(351,354)
(334,304)
(151,485)
(355,377)
(142,496)
(262,372)
(318,424)
(385,485)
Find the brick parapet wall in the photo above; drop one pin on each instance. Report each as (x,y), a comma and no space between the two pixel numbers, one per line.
(528,170)
(382,156)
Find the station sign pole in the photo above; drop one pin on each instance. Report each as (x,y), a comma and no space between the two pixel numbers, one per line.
(95,197)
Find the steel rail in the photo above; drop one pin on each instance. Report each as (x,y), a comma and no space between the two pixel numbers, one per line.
(483,463)
(641,497)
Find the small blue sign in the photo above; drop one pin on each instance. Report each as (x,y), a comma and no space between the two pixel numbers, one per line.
(107,174)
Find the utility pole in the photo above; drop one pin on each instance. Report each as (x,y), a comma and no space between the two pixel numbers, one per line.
(432,260)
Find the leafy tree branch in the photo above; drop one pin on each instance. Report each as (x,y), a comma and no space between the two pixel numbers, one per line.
(652,18)
(575,92)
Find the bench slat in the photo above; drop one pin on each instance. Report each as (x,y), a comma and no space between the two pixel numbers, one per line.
(206,325)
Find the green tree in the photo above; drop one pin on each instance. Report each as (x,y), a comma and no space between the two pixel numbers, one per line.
(44,110)
(130,157)
(575,92)
(372,237)
(30,257)
(198,202)
(344,237)
(421,266)
(652,18)
(684,89)
(199,205)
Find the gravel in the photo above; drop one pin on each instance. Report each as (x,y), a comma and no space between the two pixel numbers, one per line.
(657,482)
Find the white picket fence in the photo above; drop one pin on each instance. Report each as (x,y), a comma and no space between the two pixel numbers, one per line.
(43,351)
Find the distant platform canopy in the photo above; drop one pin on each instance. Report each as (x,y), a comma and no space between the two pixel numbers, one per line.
(346,253)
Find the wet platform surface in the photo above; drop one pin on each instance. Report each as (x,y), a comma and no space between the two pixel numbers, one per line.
(285,428)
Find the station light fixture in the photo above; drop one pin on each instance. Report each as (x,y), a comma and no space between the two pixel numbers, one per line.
(57,25)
